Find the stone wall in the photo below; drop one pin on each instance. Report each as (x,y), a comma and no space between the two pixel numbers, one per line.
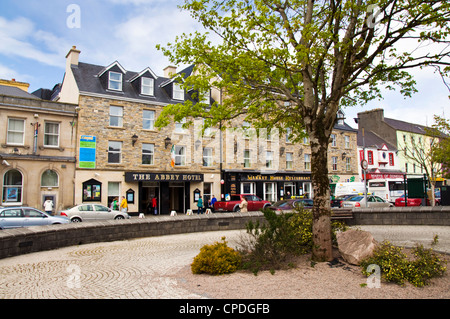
(438,216)
(20,241)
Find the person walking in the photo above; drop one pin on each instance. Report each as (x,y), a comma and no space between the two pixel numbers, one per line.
(124,205)
(243,205)
(200,205)
(154,206)
(213,201)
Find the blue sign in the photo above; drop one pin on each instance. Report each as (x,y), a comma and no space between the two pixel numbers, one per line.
(88,145)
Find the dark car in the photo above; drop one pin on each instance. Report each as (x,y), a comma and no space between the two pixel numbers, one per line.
(337,202)
(288,205)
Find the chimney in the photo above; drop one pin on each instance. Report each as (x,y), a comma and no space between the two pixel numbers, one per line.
(21,85)
(170,71)
(72,57)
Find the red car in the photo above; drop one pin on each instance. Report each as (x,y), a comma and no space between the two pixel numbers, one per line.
(399,202)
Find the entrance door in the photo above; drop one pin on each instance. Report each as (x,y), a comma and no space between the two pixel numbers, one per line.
(150,190)
(176,197)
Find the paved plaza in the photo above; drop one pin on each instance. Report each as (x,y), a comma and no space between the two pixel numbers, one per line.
(144,268)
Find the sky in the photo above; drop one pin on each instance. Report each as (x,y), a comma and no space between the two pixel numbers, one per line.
(35,37)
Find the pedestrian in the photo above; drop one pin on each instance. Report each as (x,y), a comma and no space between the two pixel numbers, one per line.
(200,205)
(114,204)
(154,206)
(48,206)
(213,201)
(124,205)
(243,205)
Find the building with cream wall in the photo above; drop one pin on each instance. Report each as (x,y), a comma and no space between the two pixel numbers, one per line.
(37,152)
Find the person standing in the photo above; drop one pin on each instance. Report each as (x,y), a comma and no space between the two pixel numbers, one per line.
(48,206)
(154,206)
(124,205)
(200,205)
(213,201)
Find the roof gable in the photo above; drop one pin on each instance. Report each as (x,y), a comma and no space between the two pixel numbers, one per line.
(144,73)
(111,66)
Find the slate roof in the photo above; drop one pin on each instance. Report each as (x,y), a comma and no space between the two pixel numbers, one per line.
(405,126)
(86,76)
(371,139)
(14,91)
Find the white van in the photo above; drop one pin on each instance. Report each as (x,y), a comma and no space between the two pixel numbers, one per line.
(388,189)
(349,188)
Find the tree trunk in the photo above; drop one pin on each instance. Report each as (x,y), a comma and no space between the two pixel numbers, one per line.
(322,242)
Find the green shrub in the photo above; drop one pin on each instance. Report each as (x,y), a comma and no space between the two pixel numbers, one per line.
(281,237)
(216,259)
(396,267)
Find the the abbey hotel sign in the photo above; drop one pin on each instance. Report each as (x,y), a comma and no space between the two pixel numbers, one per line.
(162,177)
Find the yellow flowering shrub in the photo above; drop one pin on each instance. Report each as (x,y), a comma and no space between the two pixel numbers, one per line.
(396,267)
(216,259)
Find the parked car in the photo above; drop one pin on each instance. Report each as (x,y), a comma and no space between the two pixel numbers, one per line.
(288,205)
(91,212)
(337,202)
(359,201)
(15,217)
(254,203)
(399,202)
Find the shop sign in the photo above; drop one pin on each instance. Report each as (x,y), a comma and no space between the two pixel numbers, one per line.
(275,178)
(162,177)
(88,145)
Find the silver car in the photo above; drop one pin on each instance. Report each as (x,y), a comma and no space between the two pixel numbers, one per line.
(16,217)
(92,212)
(359,201)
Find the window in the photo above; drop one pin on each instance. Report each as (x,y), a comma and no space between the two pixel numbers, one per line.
(49,179)
(51,134)
(207,157)
(307,162)
(269,159)
(147,86)
(12,187)
(114,152)
(370,157)
(180,155)
(348,162)
(391,159)
(270,192)
(178,92)
(179,126)
(334,163)
(288,134)
(148,152)
(205,97)
(115,81)
(248,188)
(115,116)
(16,131)
(113,193)
(148,120)
(333,140)
(247,163)
(92,191)
(289,160)
(347,141)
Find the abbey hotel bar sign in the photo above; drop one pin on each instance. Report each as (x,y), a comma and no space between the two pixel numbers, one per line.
(162,177)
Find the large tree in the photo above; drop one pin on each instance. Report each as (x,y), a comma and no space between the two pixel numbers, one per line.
(295,63)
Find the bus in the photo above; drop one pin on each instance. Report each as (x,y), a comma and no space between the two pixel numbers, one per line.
(389,189)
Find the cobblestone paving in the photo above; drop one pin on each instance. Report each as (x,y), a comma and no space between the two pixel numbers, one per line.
(139,268)
(142,268)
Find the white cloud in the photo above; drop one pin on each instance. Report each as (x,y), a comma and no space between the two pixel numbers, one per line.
(17,37)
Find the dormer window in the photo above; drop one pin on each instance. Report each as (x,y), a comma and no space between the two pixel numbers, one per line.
(178,92)
(115,81)
(147,86)
(205,97)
